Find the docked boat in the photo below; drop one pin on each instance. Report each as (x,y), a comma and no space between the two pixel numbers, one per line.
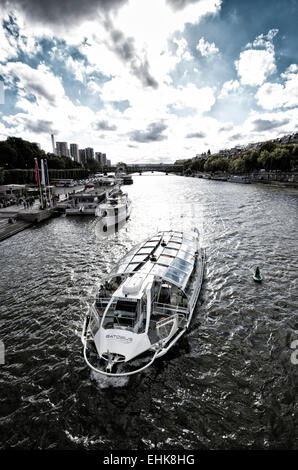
(126,179)
(106,180)
(84,203)
(115,209)
(238,179)
(144,305)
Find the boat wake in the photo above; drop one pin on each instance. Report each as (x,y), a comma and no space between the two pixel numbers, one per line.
(103,382)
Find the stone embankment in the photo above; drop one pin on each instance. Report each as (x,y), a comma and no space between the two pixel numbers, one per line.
(276,178)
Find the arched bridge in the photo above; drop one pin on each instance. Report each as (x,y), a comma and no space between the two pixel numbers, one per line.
(140,168)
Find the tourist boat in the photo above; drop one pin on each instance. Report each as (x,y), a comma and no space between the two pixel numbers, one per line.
(126,179)
(115,209)
(238,179)
(106,180)
(144,305)
(84,203)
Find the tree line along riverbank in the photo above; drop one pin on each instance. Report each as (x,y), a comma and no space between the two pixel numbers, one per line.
(17,162)
(269,156)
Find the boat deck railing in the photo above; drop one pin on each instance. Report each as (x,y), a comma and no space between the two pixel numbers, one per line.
(167,310)
(101,303)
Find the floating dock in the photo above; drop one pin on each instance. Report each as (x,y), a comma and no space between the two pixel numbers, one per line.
(22,219)
(36,215)
(7,229)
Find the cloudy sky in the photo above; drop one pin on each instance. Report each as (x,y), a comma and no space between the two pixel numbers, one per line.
(149,80)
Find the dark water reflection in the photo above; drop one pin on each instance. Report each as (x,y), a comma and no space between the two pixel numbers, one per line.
(229,383)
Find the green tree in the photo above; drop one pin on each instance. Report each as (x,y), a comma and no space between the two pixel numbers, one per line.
(8,156)
(237,165)
(264,159)
(121,165)
(92,165)
(269,146)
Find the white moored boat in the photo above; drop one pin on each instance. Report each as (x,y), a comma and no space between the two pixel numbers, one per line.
(115,209)
(144,305)
(84,203)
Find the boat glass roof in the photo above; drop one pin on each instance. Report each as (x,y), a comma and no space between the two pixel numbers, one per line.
(182,264)
(167,260)
(185,255)
(174,274)
(175,263)
(170,251)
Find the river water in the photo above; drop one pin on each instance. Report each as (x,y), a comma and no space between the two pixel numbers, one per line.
(229,383)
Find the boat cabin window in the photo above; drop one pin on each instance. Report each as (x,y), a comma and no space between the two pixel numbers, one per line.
(127,314)
(106,290)
(172,295)
(109,287)
(155,291)
(165,294)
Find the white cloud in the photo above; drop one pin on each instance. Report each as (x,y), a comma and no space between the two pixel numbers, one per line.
(255,65)
(40,82)
(77,68)
(7,48)
(206,48)
(12,44)
(269,125)
(293,68)
(182,51)
(229,87)
(264,40)
(169,103)
(276,95)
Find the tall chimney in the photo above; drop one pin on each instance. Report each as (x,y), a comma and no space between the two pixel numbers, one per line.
(53,143)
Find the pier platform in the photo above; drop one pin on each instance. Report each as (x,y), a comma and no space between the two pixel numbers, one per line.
(7,230)
(22,218)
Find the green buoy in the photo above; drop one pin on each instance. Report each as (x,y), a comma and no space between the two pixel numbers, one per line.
(257,275)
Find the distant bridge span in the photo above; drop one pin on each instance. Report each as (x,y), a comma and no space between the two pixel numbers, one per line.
(140,168)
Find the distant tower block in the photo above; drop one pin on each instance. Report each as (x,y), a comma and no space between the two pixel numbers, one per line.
(53,143)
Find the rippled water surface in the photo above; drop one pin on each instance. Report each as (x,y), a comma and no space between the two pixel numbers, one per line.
(229,382)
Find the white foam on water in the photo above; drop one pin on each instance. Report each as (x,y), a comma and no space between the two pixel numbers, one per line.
(103,381)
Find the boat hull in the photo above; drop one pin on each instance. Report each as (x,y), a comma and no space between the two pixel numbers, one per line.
(80,212)
(111,216)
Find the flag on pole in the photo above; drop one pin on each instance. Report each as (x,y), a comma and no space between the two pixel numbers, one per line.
(46,172)
(36,171)
(42,172)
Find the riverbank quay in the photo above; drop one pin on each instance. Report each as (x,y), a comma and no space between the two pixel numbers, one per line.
(14,219)
(8,229)
(275,178)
